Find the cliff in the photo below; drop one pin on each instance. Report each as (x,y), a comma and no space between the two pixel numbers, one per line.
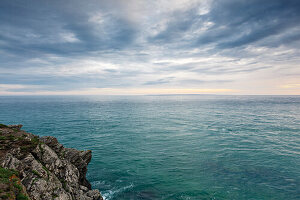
(41,168)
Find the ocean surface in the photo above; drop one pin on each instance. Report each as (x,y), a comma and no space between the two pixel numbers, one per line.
(184,147)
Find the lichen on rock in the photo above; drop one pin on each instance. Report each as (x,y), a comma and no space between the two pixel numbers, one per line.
(44,167)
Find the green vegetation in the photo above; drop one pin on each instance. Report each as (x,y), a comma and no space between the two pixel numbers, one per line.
(3,126)
(2,137)
(25,148)
(36,173)
(6,173)
(21,196)
(10,185)
(64,184)
(34,180)
(48,173)
(18,187)
(5,196)
(11,137)
(54,196)
(8,137)
(45,168)
(35,140)
(29,145)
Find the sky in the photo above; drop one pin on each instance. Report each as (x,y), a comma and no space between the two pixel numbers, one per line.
(121,47)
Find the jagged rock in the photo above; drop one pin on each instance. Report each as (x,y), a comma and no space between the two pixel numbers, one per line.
(94,194)
(80,160)
(10,162)
(46,169)
(16,127)
(52,143)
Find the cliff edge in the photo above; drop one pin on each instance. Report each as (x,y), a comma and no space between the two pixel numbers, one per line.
(40,168)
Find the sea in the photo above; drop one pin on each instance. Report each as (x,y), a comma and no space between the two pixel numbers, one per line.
(169,147)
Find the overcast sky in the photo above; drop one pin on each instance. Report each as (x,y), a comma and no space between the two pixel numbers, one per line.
(149,47)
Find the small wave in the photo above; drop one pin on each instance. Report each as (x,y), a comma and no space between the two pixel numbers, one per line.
(97,184)
(109,194)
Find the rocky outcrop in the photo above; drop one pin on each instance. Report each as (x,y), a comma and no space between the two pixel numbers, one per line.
(46,169)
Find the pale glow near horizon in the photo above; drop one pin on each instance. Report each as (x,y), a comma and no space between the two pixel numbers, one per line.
(144,91)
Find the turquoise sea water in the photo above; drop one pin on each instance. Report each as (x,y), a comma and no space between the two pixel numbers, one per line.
(175,147)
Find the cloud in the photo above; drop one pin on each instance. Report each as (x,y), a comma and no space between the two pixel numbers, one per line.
(77,45)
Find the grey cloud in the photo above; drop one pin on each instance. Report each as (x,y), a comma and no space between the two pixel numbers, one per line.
(235,23)
(245,22)
(62,34)
(197,82)
(179,23)
(160,81)
(34,28)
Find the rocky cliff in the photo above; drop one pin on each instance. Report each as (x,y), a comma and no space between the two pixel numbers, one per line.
(41,168)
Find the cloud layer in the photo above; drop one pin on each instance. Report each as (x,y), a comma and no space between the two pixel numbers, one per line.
(207,46)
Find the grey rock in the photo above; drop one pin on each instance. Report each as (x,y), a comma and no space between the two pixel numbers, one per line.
(83,188)
(94,194)
(16,127)
(52,143)
(50,171)
(10,162)
(80,159)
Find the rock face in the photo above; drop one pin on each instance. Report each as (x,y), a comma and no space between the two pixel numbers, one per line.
(46,169)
